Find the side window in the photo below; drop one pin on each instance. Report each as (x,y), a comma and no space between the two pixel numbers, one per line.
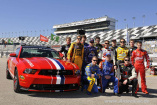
(17,51)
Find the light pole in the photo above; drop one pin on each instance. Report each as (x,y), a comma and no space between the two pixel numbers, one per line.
(133,21)
(143,19)
(117,23)
(35,32)
(31,33)
(125,23)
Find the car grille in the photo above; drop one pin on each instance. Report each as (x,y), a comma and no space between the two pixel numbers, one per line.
(54,86)
(56,72)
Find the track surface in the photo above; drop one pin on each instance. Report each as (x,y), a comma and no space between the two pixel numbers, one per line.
(9,97)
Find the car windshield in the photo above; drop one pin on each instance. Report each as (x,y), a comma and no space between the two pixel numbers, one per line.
(39,52)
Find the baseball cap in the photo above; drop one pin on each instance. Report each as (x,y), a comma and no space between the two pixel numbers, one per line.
(108,54)
(91,40)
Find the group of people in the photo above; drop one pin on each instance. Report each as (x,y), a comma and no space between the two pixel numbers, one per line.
(104,64)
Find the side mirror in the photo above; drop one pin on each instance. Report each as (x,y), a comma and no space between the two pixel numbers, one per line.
(12,54)
(60,54)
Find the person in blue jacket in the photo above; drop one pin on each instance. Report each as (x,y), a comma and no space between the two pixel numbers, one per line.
(90,52)
(83,41)
(107,70)
(92,73)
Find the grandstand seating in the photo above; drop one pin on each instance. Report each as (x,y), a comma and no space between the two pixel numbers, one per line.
(135,33)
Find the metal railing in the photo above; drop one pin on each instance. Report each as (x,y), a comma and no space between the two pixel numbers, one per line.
(6,49)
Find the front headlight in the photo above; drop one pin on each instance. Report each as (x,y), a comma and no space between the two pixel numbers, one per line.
(77,72)
(30,71)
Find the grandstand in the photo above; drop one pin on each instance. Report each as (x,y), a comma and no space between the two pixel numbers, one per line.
(89,25)
(137,33)
(147,33)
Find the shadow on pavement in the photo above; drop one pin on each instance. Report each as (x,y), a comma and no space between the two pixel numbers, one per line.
(70,94)
(79,94)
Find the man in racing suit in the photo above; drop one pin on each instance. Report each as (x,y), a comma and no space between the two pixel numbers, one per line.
(90,52)
(102,56)
(108,74)
(137,59)
(65,48)
(120,53)
(128,77)
(75,53)
(92,72)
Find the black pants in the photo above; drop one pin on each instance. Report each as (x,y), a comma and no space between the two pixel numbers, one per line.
(124,88)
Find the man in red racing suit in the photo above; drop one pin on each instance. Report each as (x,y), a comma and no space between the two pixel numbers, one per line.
(137,59)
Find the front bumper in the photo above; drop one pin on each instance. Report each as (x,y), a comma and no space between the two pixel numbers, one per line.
(49,83)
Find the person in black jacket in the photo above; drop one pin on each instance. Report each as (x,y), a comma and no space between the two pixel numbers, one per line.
(65,48)
(128,77)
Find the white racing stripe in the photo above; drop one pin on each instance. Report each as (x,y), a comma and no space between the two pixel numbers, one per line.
(58,79)
(57,90)
(29,62)
(55,63)
(48,62)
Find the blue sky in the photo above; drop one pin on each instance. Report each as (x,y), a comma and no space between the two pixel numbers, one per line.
(24,17)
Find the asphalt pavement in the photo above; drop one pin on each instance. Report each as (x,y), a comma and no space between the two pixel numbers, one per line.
(9,97)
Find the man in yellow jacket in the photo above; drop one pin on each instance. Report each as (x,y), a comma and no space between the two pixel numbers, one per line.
(75,53)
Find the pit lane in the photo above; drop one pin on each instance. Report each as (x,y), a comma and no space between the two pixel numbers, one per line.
(9,97)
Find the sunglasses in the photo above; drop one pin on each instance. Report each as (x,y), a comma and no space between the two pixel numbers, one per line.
(127,60)
(106,43)
(79,38)
(122,42)
(95,60)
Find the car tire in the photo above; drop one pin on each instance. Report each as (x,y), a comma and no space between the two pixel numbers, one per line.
(16,82)
(8,76)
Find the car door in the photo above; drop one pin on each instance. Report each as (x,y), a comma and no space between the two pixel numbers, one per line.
(13,61)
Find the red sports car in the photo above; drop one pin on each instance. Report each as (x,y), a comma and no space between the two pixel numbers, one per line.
(38,68)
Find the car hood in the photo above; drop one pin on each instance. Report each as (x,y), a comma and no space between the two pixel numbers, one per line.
(46,63)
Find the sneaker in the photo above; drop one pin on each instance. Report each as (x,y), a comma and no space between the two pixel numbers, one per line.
(146,92)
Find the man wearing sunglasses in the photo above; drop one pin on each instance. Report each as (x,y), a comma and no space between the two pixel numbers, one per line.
(137,59)
(108,74)
(128,77)
(120,53)
(106,49)
(92,72)
(75,53)
(90,52)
